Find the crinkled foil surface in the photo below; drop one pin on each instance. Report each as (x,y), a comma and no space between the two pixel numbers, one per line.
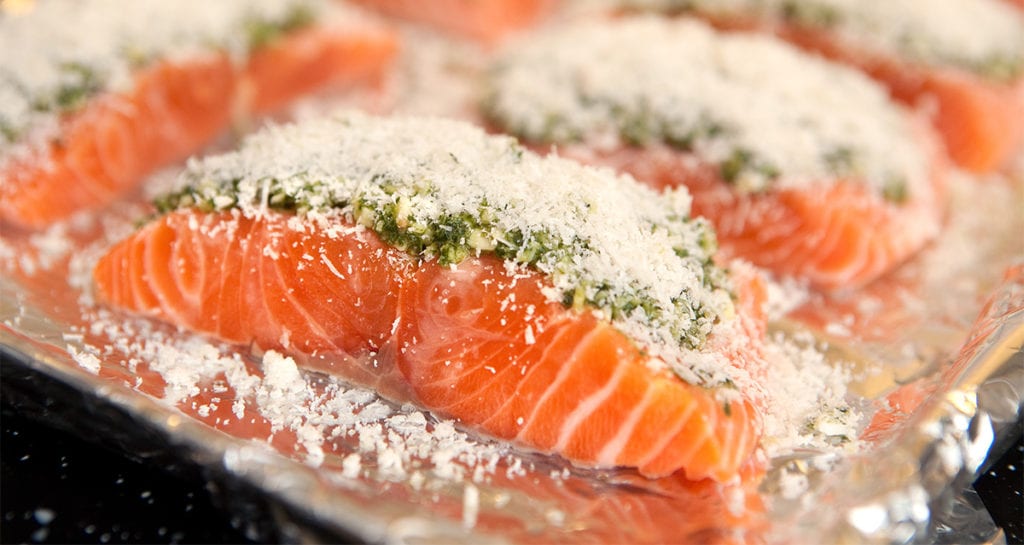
(936,350)
(907,484)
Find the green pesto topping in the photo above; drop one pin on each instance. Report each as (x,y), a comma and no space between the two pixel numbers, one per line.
(9,133)
(811,14)
(997,67)
(69,51)
(261,32)
(895,190)
(80,83)
(647,82)
(451,237)
(743,161)
(980,36)
(840,158)
(830,423)
(1003,67)
(586,230)
(636,124)
(796,11)
(641,127)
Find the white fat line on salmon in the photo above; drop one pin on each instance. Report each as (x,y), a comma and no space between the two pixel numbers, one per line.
(671,433)
(614,447)
(331,161)
(588,406)
(331,267)
(563,374)
(696,442)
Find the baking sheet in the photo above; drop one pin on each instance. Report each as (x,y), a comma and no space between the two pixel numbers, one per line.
(931,354)
(950,352)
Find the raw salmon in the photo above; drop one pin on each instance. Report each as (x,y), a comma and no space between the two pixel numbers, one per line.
(586,318)
(981,122)
(488,21)
(211,273)
(313,57)
(980,118)
(574,385)
(108,146)
(793,159)
(837,236)
(176,106)
(560,381)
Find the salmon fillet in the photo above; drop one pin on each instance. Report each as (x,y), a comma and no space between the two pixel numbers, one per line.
(356,287)
(578,387)
(981,122)
(488,21)
(805,168)
(171,108)
(837,237)
(979,117)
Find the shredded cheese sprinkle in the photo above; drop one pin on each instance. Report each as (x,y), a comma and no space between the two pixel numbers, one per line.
(58,53)
(598,236)
(985,36)
(766,114)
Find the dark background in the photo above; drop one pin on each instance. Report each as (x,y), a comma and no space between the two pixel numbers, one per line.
(56,487)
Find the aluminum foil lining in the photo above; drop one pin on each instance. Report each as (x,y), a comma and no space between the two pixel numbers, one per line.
(908,483)
(934,352)
(938,452)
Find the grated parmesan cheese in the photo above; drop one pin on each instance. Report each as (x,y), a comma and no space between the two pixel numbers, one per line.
(60,52)
(985,36)
(86,360)
(470,505)
(803,389)
(808,405)
(601,238)
(760,110)
(390,443)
